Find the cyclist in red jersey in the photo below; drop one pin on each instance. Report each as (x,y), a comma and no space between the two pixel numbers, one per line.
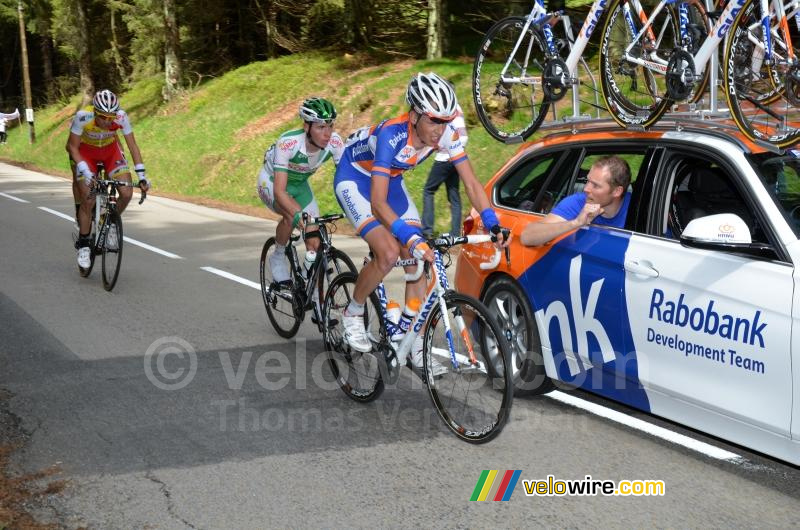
(93,140)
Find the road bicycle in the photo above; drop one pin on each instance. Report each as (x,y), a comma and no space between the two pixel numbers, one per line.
(519,72)
(473,397)
(104,219)
(286,303)
(760,69)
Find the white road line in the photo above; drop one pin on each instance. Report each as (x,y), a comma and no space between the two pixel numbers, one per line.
(125,238)
(653,430)
(151,248)
(233,277)
(58,214)
(7,196)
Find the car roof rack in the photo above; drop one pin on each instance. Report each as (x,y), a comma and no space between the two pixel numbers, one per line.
(678,121)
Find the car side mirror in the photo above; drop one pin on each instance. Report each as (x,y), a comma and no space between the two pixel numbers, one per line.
(725,232)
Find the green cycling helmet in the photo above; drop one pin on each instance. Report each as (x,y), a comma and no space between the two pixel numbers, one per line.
(317,110)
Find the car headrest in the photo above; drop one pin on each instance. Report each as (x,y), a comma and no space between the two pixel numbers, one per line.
(708,181)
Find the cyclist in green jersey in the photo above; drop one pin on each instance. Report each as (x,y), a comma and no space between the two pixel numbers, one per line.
(283,180)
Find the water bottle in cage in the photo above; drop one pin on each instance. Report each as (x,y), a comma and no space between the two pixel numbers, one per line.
(410,311)
(311,257)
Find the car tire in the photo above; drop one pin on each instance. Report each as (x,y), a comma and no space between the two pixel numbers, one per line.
(512,311)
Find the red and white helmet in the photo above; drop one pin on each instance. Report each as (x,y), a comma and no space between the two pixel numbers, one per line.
(106,101)
(431,95)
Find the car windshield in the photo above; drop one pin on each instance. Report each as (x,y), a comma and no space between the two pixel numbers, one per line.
(781,177)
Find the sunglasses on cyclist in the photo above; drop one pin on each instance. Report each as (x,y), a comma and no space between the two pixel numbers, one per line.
(105,116)
(439,121)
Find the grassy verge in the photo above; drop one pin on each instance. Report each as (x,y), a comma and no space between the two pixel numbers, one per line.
(209,142)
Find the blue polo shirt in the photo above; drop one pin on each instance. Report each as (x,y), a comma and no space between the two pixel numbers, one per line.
(571,206)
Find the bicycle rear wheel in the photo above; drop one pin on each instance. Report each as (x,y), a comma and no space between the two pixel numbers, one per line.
(280,300)
(515,106)
(473,397)
(112,258)
(358,374)
(759,98)
(633,94)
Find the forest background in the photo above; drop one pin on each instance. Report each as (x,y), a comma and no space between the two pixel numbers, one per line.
(210,84)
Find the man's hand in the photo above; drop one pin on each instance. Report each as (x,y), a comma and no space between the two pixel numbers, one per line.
(588,213)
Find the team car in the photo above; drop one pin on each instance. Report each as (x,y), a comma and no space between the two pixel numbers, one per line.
(688,311)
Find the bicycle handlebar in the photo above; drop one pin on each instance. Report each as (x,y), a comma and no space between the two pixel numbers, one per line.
(446,241)
(121,184)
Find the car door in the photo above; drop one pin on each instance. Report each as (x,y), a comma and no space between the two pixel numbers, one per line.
(576,285)
(711,329)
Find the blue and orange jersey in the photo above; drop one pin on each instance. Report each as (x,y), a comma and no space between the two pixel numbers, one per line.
(386,150)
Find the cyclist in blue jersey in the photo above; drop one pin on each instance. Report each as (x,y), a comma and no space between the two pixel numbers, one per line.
(370,189)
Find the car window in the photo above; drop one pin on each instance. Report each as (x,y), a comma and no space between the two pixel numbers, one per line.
(781,178)
(699,188)
(524,187)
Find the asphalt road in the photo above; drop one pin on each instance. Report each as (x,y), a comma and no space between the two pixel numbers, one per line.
(219,444)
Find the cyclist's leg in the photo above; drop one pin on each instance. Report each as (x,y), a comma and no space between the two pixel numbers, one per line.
(402,204)
(86,200)
(352,192)
(76,193)
(278,263)
(117,168)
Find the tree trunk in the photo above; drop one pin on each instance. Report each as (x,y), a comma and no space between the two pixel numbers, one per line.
(84,52)
(354,22)
(172,64)
(434,29)
(115,46)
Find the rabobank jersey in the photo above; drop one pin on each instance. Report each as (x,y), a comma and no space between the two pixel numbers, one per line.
(84,126)
(289,154)
(386,149)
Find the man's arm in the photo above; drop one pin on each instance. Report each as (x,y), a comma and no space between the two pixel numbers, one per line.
(553,225)
(286,202)
(73,147)
(133,147)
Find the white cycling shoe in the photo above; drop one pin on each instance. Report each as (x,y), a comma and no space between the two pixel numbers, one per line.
(354,333)
(279,268)
(417,363)
(84,257)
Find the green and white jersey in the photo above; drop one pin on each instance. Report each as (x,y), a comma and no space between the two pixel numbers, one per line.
(289,153)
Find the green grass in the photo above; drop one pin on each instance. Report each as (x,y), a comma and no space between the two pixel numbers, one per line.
(209,142)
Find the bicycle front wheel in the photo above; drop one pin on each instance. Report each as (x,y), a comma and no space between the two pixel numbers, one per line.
(756,88)
(338,263)
(474,395)
(358,374)
(279,298)
(510,103)
(112,254)
(633,93)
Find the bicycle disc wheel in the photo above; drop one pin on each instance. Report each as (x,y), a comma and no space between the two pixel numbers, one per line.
(358,374)
(112,258)
(279,298)
(754,87)
(473,397)
(515,105)
(634,94)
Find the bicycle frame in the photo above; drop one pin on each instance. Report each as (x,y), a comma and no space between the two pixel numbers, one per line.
(540,18)
(438,286)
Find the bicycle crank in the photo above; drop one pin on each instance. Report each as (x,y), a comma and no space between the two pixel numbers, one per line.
(555,79)
(793,85)
(681,75)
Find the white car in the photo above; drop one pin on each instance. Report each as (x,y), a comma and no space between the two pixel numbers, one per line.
(688,311)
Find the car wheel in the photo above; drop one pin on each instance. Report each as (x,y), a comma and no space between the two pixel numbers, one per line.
(511,309)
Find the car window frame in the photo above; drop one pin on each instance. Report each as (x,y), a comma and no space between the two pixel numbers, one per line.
(673,153)
(575,153)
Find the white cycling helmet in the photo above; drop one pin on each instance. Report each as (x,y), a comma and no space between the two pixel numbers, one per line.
(431,95)
(106,101)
